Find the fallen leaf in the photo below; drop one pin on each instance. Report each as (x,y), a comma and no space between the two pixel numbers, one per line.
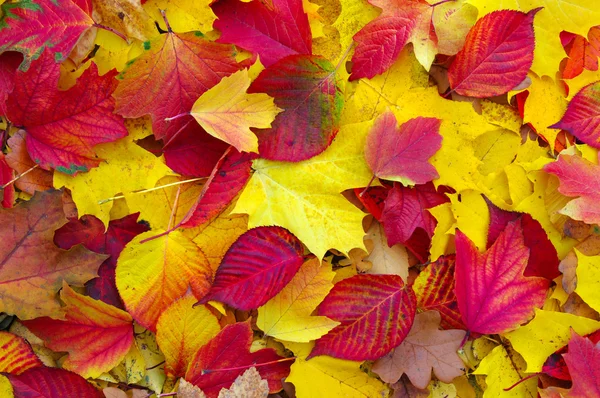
(287,316)
(31,262)
(424,349)
(125,16)
(44,382)
(385,260)
(582,360)
(247,385)
(582,118)
(96,335)
(256,267)
(380,304)
(17,355)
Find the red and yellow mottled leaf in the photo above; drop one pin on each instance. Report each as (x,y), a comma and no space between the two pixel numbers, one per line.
(225,182)
(256,267)
(181,331)
(152,275)
(579,178)
(379,306)
(217,364)
(16,355)
(402,153)
(32,27)
(273,30)
(63,126)
(18,159)
(305,87)
(582,118)
(43,382)
(492,293)
(287,316)
(96,335)
(166,79)
(227,111)
(381,40)
(583,360)
(497,55)
(30,262)
(425,349)
(434,288)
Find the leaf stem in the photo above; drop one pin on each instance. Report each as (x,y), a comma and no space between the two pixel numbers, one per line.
(368,186)
(441,2)
(531,376)
(205,371)
(168,119)
(20,175)
(164,15)
(112,30)
(337,67)
(101,202)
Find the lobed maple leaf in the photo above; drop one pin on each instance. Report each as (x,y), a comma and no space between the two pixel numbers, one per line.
(424,349)
(273,31)
(380,41)
(581,53)
(181,66)
(218,363)
(256,267)
(497,55)
(401,153)
(492,293)
(578,178)
(63,126)
(33,28)
(381,306)
(582,359)
(29,259)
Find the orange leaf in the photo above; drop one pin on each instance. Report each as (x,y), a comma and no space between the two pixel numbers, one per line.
(96,335)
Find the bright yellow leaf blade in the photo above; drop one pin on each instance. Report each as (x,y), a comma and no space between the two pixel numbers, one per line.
(181,330)
(183,15)
(588,280)
(127,168)
(499,366)
(545,334)
(305,197)
(324,376)
(150,276)
(287,316)
(227,112)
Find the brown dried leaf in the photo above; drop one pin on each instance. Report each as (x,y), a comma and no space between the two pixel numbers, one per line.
(247,385)
(188,390)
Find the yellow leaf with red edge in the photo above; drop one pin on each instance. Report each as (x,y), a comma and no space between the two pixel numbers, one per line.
(96,335)
(181,330)
(152,275)
(287,316)
(227,111)
(16,355)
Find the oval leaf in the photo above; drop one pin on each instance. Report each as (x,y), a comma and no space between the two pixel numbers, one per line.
(305,87)
(256,267)
(46,382)
(492,293)
(401,153)
(378,306)
(582,118)
(497,55)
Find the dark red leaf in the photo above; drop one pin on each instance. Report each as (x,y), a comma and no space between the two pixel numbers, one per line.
(373,199)
(9,62)
(44,382)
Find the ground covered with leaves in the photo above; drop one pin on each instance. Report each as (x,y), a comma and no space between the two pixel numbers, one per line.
(344,198)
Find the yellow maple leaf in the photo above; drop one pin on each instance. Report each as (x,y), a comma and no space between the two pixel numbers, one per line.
(227,112)
(545,334)
(127,168)
(330,377)
(183,15)
(575,16)
(152,275)
(588,280)
(181,330)
(503,369)
(287,316)
(305,197)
